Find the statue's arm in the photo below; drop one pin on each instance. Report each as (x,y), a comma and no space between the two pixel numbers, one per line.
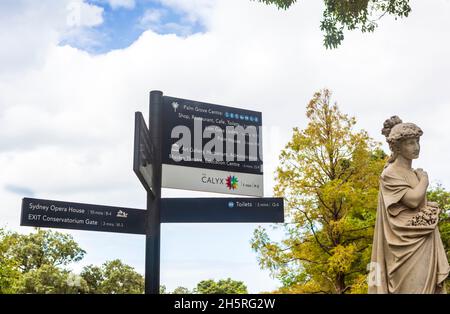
(415,196)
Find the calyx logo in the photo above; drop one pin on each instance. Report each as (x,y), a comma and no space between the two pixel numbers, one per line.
(232,182)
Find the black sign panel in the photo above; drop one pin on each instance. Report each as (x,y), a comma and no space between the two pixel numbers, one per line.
(143,152)
(65,215)
(185,210)
(182,112)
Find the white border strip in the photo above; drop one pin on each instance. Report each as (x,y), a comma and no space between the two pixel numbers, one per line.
(207,180)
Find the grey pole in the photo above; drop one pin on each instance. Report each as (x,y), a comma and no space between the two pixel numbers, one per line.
(153,236)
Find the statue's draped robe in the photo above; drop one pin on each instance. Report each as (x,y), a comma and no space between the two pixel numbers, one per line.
(405,259)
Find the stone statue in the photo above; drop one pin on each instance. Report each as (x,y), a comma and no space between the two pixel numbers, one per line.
(407,254)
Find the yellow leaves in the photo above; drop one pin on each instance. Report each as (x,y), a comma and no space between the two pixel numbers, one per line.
(342,259)
(310,287)
(328,174)
(359,285)
(337,227)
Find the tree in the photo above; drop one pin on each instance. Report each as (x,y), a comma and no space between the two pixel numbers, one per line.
(328,176)
(113,277)
(9,272)
(30,263)
(43,247)
(181,290)
(33,263)
(354,14)
(93,275)
(121,278)
(227,286)
(49,279)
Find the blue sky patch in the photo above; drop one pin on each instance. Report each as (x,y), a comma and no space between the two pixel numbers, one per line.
(123,25)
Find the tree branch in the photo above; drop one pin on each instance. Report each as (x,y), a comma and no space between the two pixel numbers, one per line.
(323,247)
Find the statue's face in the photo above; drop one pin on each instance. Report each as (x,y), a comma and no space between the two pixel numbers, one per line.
(410,148)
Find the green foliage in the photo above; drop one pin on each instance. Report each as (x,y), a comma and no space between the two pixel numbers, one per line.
(49,279)
(328,176)
(355,14)
(113,277)
(9,272)
(30,263)
(33,263)
(43,247)
(281,4)
(93,275)
(227,286)
(121,278)
(181,290)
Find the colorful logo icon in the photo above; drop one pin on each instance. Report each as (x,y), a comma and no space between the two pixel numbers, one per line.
(232,182)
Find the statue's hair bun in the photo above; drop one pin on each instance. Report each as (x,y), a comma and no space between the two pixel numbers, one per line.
(389,124)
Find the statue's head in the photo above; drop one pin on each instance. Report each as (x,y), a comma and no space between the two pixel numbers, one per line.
(403,138)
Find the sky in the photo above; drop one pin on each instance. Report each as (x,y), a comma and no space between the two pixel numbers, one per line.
(73,72)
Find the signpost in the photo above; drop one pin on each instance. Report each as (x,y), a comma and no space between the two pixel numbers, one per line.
(188,145)
(78,216)
(217,148)
(143,152)
(221,210)
(153,236)
(90,217)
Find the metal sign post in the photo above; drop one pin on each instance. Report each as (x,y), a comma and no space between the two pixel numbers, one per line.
(222,210)
(79,216)
(235,129)
(217,148)
(90,217)
(143,152)
(153,235)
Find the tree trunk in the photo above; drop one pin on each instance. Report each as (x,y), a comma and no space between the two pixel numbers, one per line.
(340,283)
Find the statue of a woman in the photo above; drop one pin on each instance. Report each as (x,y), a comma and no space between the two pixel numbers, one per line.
(407,254)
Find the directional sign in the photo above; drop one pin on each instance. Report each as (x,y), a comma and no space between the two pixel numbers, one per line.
(79,216)
(211,148)
(65,215)
(222,210)
(143,152)
(190,145)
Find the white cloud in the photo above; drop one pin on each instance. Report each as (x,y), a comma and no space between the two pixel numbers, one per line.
(83,14)
(151,17)
(127,4)
(66,117)
(29,29)
(194,10)
(80,20)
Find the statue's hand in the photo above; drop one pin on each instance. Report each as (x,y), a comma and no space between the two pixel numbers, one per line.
(421,174)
